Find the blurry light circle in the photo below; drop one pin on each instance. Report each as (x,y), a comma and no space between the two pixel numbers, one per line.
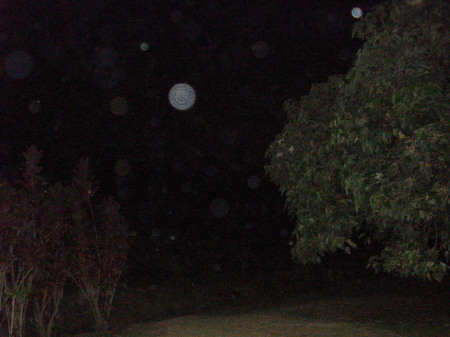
(182,96)
(18,64)
(253,182)
(144,46)
(357,12)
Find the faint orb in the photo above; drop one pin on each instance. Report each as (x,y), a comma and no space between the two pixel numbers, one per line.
(218,207)
(291,243)
(144,46)
(122,167)
(18,64)
(34,107)
(357,12)
(173,237)
(182,96)
(118,106)
(253,182)
(260,49)
(217,267)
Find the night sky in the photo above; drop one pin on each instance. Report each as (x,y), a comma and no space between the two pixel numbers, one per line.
(93,79)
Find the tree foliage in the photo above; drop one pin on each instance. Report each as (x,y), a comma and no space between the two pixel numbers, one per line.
(365,156)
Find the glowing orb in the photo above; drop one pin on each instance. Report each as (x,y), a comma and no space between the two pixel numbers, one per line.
(357,12)
(144,46)
(182,96)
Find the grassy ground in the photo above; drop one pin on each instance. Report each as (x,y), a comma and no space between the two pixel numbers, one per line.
(276,304)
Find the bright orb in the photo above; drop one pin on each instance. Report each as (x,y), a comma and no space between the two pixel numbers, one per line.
(182,96)
(357,12)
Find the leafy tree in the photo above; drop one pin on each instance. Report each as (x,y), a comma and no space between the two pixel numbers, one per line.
(365,156)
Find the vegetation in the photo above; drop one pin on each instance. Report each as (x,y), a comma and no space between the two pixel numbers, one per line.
(50,233)
(364,157)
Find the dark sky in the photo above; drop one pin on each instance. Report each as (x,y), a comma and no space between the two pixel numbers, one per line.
(92,79)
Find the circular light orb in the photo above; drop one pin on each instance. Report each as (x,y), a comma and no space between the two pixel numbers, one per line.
(253,182)
(357,12)
(144,46)
(182,96)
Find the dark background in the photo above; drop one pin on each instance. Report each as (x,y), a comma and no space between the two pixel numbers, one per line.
(191,183)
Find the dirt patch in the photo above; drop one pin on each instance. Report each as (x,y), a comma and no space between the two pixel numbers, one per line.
(362,316)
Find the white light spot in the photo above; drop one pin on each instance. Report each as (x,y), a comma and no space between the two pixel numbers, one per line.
(119,106)
(357,12)
(182,96)
(122,167)
(173,237)
(18,64)
(291,243)
(260,49)
(253,182)
(34,107)
(218,207)
(144,46)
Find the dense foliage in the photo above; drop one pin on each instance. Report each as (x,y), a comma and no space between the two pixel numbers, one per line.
(365,156)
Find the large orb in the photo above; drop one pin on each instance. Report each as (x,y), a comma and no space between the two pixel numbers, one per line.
(182,96)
